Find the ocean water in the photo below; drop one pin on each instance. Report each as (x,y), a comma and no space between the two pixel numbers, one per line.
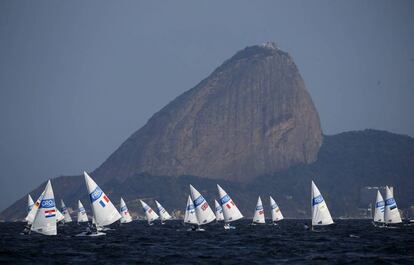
(347,242)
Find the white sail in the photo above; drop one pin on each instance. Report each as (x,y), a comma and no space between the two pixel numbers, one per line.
(64,210)
(259,217)
(190,215)
(164,215)
(230,211)
(45,219)
(276,213)
(59,216)
(320,211)
(149,213)
(219,211)
(391,213)
(82,216)
(30,204)
(31,215)
(103,210)
(379,208)
(203,211)
(123,209)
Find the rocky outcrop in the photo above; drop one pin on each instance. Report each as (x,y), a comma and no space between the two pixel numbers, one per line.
(251,116)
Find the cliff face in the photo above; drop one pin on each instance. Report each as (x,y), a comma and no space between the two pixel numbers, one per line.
(250,117)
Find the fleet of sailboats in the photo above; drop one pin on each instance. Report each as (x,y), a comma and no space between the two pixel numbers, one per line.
(43,215)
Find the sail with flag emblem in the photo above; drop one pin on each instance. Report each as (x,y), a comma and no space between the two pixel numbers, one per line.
(219,211)
(103,210)
(320,211)
(190,216)
(45,219)
(64,210)
(379,208)
(391,213)
(203,211)
(31,215)
(259,217)
(30,204)
(149,213)
(164,215)
(126,217)
(82,216)
(230,211)
(276,213)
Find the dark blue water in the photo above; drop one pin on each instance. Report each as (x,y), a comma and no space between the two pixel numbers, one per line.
(348,242)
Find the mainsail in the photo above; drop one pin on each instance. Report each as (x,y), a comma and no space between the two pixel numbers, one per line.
(30,204)
(190,215)
(164,215)
(45,219)
(391,213)
(320,211)
(259,217)
(219,211)
(103,210)
(31,215)
(379,208)
(203,211)
(125,216)
(65,212)
(276,213)
(149,213)
(230,211)
(82,216)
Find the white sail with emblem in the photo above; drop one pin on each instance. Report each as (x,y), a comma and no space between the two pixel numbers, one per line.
(31,215)
(190,216)
(149,212)
(30,205)
(219,211)
(379,208)
(276,213)
(103,210)
(391,213)
(65,212)
(203,211)
(259,217)
(320,211)
(230,211)
(164,215)
(126,217)
(45,219)
(82,216)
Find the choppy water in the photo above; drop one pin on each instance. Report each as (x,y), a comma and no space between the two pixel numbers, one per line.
(348,242)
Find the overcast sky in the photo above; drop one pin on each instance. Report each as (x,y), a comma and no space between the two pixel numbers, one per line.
(78,77)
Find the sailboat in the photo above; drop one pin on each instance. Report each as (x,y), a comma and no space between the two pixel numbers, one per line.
(203,211)
(65,212)
(30,205)
(32,213)
(276,213)
(379,209)
(230,211)
(126,217)
(391,212)
(219,211)
(149,213)
(259,217)
(82,216)
(164,215)
(45,219)
(320,212)
(190,216)
(103,210)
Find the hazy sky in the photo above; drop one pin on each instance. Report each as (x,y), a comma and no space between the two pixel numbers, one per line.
(78,77)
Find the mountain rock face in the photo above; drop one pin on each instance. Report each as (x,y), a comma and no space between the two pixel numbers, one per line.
(251,116)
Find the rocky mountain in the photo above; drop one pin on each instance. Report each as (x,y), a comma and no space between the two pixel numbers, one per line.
(250,126)
(251,116)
